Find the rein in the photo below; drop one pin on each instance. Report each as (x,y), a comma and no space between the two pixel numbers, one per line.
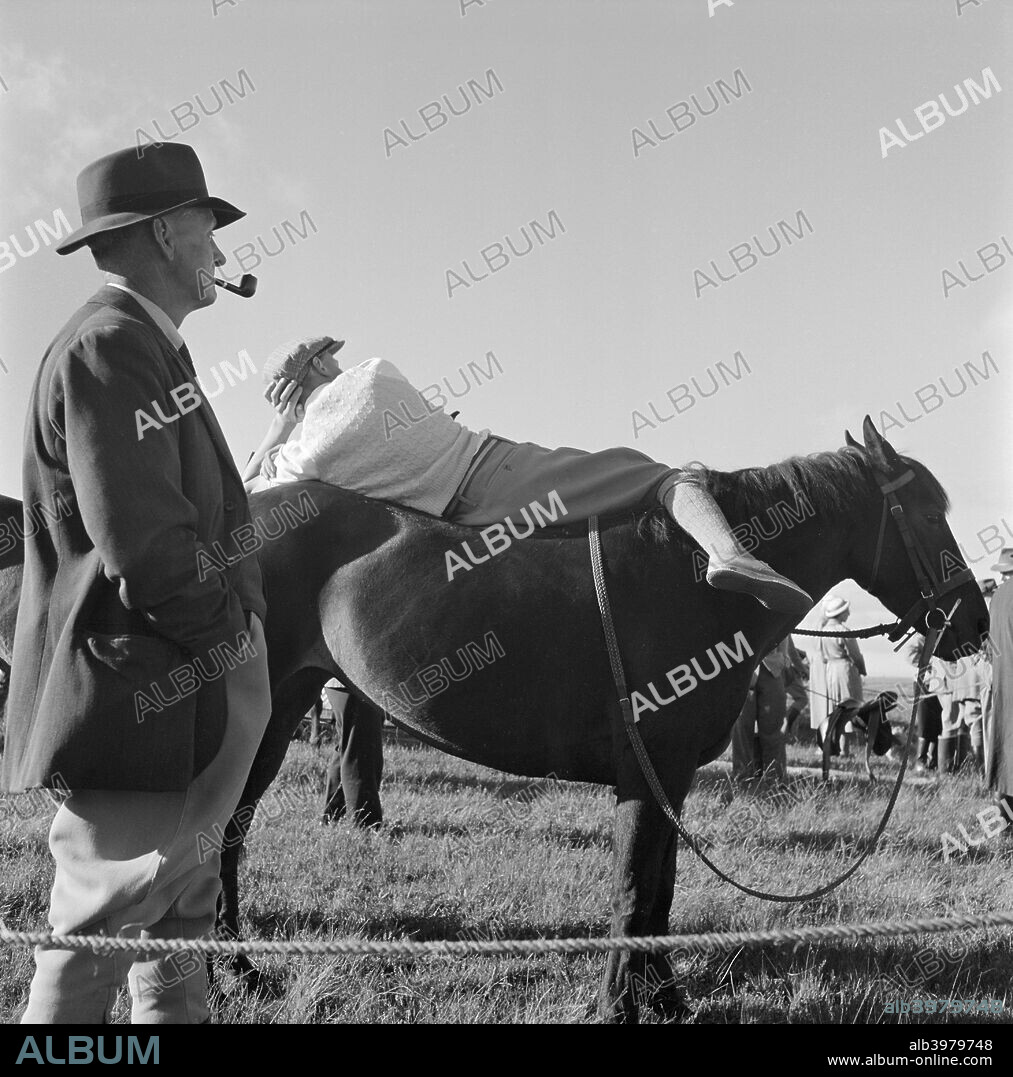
(856,633)
(931,642)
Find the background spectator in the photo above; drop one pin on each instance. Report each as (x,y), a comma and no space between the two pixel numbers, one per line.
(758,736)
(962,720)
(999,727)
(3,699)
(986,676)
(930,713)
(796,676)
(1004,566)
(836,670)
(356,766)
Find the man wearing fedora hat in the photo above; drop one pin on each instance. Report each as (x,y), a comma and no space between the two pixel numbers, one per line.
(140,679)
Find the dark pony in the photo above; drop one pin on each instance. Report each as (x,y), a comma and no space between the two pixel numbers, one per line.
(506,665)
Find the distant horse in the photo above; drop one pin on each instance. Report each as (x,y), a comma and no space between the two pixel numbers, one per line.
(505,664)
(868,718)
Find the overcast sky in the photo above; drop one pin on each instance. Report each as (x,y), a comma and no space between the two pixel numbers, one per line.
(617,305)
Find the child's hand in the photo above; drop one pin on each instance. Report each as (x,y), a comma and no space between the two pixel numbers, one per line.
(268,466)
(284,396)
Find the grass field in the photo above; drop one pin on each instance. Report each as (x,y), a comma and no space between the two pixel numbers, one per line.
(469,852)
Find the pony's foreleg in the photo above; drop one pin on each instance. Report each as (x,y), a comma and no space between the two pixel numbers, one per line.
(291,701)
(643,873)
(643,855)
(665,996)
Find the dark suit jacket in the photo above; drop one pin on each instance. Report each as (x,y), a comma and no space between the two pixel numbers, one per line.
(122,635)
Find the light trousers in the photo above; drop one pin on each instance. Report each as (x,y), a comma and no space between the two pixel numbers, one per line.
(147,865)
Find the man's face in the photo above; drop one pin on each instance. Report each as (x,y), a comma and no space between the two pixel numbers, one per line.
(196,254)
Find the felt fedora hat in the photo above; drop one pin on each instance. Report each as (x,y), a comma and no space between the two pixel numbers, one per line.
(124,188)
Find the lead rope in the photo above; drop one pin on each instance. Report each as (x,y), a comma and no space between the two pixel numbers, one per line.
(651,776)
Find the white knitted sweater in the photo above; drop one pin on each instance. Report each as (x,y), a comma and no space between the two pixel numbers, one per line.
(369,430)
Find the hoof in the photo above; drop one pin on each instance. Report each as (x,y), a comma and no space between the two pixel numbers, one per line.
(670,1004)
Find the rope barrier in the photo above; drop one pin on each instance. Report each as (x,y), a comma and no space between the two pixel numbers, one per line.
(650,944)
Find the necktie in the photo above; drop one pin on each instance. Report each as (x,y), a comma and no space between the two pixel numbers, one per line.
(184,352)
(207,410)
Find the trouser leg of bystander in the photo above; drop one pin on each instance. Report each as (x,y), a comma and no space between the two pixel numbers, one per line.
(147,865)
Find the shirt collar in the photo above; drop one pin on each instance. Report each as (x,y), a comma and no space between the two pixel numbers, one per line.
(155,313)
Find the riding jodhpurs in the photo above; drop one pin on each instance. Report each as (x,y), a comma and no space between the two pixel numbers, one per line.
(506,478)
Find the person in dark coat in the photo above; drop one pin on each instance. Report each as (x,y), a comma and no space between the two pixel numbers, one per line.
(4,684)
(999,717)
(796,675)
(356,766)
(988,588)
(139,679)
(758,743)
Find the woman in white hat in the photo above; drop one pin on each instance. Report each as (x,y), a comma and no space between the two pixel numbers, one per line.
(838,666)
(1004,566)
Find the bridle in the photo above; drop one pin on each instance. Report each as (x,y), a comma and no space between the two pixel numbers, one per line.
(931,587)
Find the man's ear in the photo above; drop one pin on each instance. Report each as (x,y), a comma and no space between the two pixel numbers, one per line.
(161,234)
(319,365)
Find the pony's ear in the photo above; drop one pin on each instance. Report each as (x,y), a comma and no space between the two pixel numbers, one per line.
(850,441)
(881,452)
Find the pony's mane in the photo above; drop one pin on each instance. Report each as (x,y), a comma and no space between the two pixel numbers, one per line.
(829,481)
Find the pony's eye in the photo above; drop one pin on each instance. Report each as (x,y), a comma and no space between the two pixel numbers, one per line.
(934,518)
